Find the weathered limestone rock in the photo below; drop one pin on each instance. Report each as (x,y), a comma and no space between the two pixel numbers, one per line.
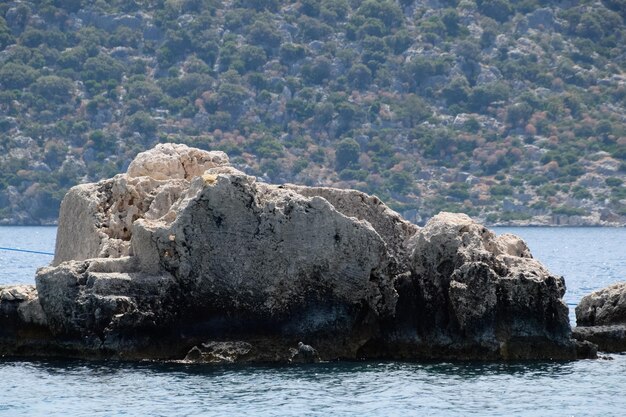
(186,258)
(107,307)
(23,324)
(391,227)
(270,262)
(603,307)
(96,219)
(601,318)
(25,298)
(172,161)
(472,294)
(607,338)
(304,354)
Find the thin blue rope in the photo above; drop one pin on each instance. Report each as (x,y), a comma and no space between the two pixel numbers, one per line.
(27,251)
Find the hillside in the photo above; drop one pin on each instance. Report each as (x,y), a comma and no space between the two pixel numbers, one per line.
(509,111)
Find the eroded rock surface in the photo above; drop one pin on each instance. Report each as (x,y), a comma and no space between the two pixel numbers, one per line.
(184,257)
(603,307)
(391,227)
(262,261)
(601,318)
(96,219)
(172,161)
(473,294)
(23,324)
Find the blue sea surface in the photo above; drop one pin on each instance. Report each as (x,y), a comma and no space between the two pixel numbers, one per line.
(588,258)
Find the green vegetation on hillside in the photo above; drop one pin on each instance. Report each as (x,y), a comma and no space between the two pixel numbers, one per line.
(505,110)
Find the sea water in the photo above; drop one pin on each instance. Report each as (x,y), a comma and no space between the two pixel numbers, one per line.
(588,258)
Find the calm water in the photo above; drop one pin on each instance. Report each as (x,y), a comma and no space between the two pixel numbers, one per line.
(589,258)
(19,267)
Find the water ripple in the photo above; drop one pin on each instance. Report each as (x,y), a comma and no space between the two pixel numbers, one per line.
(387,388)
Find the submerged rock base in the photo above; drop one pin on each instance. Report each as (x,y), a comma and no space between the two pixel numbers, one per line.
(186,258)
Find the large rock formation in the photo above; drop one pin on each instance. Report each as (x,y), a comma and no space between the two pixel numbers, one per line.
(185,257)
(601,318)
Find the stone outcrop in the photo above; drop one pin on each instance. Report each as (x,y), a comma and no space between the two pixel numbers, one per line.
(23,324)
(603,307)
(601,318)
(96,219)
(476,295)
(186,258)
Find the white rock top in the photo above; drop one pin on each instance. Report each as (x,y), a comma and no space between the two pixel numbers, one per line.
(175,161)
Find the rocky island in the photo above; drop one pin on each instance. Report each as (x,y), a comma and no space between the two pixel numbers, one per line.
(183,257)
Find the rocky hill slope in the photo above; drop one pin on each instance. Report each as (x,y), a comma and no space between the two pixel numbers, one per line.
(507,111)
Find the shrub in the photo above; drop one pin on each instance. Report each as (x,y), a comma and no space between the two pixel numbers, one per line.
(54,89)
(360,76)
(253,57)
(581,192)
(230,97)
(264,34)
(459,190)
(268,147)
(412,109)
(501,190)
(142,123)
(400,182)
(353,174)
(310,7)
(499,10)
(16,76)
(6,38)
(332,11)
(450,19)
(291,52)
(318,71)
(457,91)
(102,68)
(259,5)
(312,29)
(73,58)
(569,211)
(346,154)
(483,95)
(386,11)
(508,216)
(613,181)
